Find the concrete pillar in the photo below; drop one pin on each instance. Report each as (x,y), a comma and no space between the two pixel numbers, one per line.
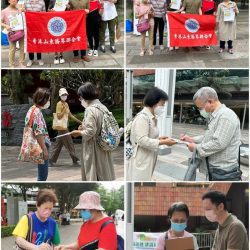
(12,210)
(128,100)
(129,215)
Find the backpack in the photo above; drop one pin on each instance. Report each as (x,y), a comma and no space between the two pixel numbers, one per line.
(120,240)
(129,149)
(109,138)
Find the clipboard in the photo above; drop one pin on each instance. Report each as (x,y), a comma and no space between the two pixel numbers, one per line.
(183,243)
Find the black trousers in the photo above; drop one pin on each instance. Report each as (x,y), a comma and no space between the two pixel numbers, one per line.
(76,53)
(159,22)
(93,25)
(229,43)
(32,56)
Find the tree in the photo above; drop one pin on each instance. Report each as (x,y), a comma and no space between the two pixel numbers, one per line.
(108,82)
(19,188)
(112,200)
(14,84)
(68,193)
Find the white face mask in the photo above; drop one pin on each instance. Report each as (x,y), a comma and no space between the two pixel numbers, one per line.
(47,105)
(204,113)
(84,104)
(64,97)
(159,111)
(210,215)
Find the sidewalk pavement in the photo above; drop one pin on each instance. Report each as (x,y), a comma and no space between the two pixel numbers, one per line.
(14,170)
(172,167)
(68,234)
(104,60)
(190,58)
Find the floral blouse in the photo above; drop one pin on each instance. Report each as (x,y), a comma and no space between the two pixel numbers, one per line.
(39,126)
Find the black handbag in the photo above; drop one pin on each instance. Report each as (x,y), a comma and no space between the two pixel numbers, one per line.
(218,174)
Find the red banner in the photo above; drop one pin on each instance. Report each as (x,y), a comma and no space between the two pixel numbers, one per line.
(191,30)
(55,31)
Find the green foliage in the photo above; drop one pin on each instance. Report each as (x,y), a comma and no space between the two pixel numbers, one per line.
(68,193)
(6,231)
(14,84)
(112,200)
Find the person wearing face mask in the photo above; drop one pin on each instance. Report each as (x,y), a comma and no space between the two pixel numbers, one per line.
(98,230)
(178,215)
(34,116)
(145,138)
(231,232)
(221,141)
(97,164)
(45,233)
(63,112)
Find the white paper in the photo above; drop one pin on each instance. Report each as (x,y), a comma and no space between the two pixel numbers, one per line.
(175,4)
(63,135)
(180,141)
(60,5)
(16,22)
(229,15)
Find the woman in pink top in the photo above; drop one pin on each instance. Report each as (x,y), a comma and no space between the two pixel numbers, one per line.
(178,215)
(144,11)
(12,10)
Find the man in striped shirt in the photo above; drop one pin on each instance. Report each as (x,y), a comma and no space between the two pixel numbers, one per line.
(221,141)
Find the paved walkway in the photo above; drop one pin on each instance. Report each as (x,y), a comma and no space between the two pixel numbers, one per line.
(68,235)
(191,58)
(14,170)
(104,60)
(172,167)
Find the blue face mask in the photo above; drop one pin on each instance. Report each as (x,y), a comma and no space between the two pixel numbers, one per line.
(86,215)
(178,227)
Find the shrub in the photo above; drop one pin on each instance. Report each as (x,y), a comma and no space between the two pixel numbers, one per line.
(6,231)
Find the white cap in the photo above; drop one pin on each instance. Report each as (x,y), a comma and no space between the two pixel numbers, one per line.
(63,91)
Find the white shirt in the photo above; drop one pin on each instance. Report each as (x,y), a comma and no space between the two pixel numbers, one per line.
(109,12)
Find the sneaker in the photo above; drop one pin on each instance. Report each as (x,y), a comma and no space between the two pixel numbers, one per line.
(85,58)
(56,60)
(90,52)
(142,52)
(112,48)
(41,62)
(21,65)
(61,60)
(161,47)
(171,48)
(30,62)
(207,47)
(95,53)
(150,52)
(102,48)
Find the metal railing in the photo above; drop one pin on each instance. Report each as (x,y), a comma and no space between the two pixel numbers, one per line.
(204,240)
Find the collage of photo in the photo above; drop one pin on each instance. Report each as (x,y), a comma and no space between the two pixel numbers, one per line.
(125,125)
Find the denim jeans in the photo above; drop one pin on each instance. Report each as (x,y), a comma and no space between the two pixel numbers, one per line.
(43,171)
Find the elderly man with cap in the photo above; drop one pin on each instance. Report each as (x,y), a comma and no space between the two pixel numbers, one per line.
(63,114)
(98,230)
(221,141)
